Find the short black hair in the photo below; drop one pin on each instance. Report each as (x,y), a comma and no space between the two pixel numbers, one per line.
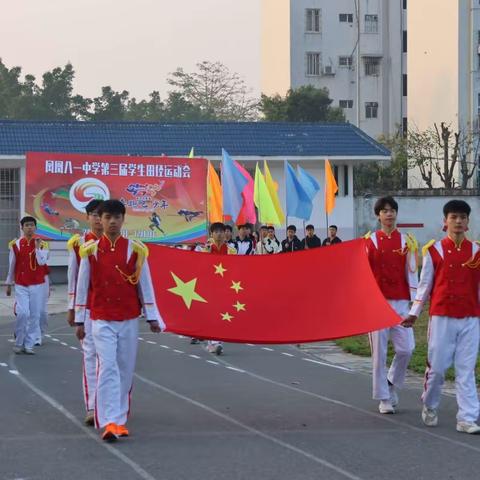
(271,227)
(456,206)
(382,202)
(309,227)
(249,225)
(243,225)
(111,206)
(292,227)
(27,219)
(229,228)
(333,226)
(215,226)
(93,206)
(263,227)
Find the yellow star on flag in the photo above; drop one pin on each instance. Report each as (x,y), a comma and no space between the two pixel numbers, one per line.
(219,269)
(226,316)
(239,306)
(186,290)
(236,286)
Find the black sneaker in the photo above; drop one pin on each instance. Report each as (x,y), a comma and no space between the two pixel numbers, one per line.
(194,341)
(219,350)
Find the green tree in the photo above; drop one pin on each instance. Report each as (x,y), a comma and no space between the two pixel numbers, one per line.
(111,105)
(303,104)
(214,91)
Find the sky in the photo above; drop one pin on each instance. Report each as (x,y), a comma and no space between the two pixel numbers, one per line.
(130,44)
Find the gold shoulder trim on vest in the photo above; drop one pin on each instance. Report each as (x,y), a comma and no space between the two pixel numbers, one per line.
(44,245)
(427,246)
(88,248)
(411,242)
(73,242)
(367,235)
(11,243)
(140,248)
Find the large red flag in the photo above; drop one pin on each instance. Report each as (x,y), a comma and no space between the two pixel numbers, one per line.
(306,296)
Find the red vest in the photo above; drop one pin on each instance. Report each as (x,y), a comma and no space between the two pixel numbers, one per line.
(85,238)
(223,250)
(112,297)
(27,270)
(455,285)
(389,265)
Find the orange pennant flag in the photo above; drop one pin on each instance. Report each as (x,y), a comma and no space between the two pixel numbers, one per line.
(331,188)
(214,196)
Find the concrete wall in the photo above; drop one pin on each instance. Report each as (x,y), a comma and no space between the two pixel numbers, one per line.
(416,209)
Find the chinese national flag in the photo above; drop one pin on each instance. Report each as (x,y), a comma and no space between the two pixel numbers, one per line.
(306,296)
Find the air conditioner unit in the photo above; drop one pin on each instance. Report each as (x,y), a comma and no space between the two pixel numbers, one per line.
(328,70)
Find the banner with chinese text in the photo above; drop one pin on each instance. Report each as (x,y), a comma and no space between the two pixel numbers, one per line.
(165,197)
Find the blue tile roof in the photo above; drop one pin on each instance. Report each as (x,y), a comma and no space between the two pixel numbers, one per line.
(145,138)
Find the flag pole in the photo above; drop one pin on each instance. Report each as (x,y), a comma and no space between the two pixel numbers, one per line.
(326,216)
(305,235)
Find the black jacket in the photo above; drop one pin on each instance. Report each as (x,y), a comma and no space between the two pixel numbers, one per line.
(313,242)
(327,241)
(292,246)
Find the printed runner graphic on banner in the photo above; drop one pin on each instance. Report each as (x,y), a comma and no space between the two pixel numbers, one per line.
(307,296)
(165,197)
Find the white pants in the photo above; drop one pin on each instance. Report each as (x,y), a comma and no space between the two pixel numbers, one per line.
(43,322)
(116,345)
(403,343)
(28,305)
(453,340)
(89,365)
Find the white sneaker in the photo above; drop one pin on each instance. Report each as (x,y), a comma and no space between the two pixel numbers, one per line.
(393,395)
(385,406)
(430,416)
(17,350)
(466,427)
(28,351)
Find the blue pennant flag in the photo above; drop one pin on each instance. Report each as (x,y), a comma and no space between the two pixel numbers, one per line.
(299,204)
(233,184)
(308,182)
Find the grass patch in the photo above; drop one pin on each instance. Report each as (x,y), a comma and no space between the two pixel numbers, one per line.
(360,346)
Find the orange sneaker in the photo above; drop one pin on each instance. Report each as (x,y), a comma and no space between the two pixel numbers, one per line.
(110,433)
(122,431)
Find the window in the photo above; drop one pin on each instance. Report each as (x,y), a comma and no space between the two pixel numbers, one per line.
(371,23)
(372,66)
(371,109)
(313,16)
(404,4)
(314,63)
(345,61)
(404,42)
(345,180)
(346,17)
(404,126)
(404,84)
(345,103)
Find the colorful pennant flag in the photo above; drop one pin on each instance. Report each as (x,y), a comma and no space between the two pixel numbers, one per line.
(331,188)
(298,201)
(266,209)
(272,187)
(192,153)
(233,184)
(308,182)
(214,196)
(247,213)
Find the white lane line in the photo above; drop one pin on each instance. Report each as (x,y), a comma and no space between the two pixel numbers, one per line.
(74,348)
(64,344)
(339,403)
(14,372)
(236,369)
(194,356)
(140,338)
(287,354)
(181,336)
(3,365)
(164,346)
(212,362)
(11,340)
(327,364)
(47,335)
(177,351)
(250,429)
(151,343)
(58,406)
(55,339)
(250,344)
(268,349)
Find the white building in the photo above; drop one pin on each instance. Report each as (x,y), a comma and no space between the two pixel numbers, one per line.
(321,42)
